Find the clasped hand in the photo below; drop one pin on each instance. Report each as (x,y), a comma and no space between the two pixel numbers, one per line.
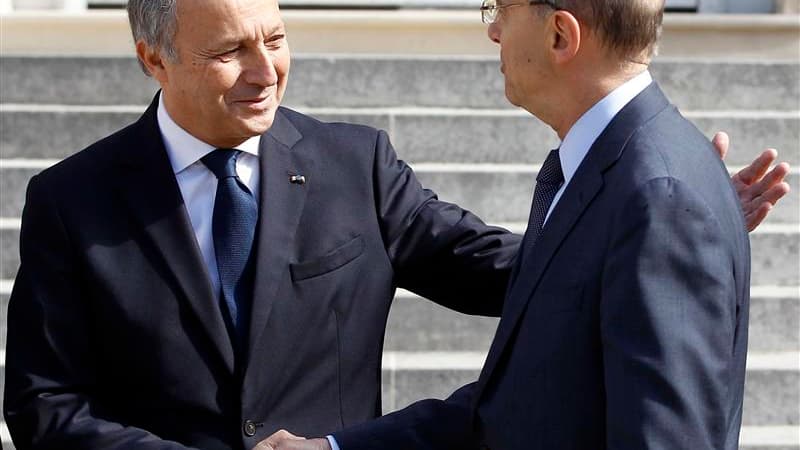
(283,440)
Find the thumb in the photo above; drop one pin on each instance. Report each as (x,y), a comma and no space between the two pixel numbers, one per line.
(721,142)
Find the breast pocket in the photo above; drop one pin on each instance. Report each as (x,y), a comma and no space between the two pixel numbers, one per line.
(335,259)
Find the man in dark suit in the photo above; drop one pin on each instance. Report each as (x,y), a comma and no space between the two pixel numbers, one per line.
(125,329)
(625,324)
(224,266)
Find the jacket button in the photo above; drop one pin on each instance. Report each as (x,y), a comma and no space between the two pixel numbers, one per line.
(249,428)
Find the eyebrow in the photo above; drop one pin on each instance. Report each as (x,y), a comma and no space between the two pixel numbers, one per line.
(278,29)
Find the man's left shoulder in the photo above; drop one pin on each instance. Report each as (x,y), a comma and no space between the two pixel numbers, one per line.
(671,146)
(310,126)
(339,146)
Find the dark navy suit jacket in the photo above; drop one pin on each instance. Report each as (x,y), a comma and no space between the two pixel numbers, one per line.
(626,326)
(116,340)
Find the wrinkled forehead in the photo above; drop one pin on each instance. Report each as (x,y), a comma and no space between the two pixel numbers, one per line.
(228,12)
(228,19)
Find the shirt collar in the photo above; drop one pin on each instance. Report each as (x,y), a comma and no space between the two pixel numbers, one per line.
(183,149)
(587,129)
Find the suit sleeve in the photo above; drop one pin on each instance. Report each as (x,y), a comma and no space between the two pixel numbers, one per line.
(439,250)
(424,425)
(50,376)
(668,322)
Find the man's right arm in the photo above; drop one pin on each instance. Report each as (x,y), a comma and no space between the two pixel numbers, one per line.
(438,250)
(425,425)
(50,372)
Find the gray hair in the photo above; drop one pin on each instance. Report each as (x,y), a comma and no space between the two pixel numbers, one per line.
(630,27)
(155,22)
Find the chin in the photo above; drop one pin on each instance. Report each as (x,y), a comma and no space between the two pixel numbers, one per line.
(511,97)
(260,125)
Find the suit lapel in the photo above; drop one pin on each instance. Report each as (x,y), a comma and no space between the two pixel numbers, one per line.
(148,186)
(279,213)
(583,187)
(586,183)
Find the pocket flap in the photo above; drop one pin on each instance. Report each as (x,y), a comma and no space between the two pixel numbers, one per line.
(330,262)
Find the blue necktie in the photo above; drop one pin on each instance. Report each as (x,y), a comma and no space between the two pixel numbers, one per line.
(233,228)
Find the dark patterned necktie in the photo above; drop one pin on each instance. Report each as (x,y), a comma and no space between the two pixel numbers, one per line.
(233,229)
(548,182)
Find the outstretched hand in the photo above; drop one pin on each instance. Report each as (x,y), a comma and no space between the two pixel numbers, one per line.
(283,440)
(758,187)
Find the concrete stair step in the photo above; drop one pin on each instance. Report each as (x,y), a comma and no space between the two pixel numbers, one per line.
(514,136)
(379,81)
(407,31)
(770,438)
(67,131)
(774,319)
(478,83)
(419,134)
(416,324)
(772,387)
(505,196)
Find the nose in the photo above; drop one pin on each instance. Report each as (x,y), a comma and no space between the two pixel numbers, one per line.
(260,68)
(494,32)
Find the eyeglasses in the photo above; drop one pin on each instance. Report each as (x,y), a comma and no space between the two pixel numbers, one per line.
(490,9)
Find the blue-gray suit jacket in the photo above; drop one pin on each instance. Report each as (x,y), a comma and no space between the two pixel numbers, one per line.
(625,326)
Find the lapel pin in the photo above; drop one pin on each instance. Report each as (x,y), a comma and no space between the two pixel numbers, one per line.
(297,179)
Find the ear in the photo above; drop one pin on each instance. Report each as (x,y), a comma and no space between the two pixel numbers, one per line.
(152,60)
(565,36)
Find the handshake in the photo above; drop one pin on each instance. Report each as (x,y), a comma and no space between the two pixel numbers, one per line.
(283,440)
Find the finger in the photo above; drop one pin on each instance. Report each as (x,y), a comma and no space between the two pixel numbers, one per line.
(303,444)
(777,174)
(280,435)
(721,142)
(263,445)
(775,193)
(756,217)
(757,168)
(773,178)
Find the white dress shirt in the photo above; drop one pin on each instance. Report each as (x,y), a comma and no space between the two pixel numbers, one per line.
(198,184)
(587,129)
(334,445)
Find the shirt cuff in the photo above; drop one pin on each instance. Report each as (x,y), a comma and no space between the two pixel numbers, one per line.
(332,441)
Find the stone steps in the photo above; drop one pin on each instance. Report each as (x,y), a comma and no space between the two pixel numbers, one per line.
(448,118)
(402,32)
(452,135)
(391,81)
(419,325)
(410,376)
